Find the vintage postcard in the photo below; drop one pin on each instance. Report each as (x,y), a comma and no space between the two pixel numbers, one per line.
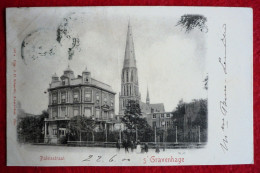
(129,86)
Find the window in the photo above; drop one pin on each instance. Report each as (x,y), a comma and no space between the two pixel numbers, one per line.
(63,111)
(105,99)
(112,101)
(54,131)
(127,76)
(54,112)
(132,76)
(152,110)
(62,132)
(86,79)
(154,116)
(123,76)
(76,96)
(87,95)
(105,115)
(63,82)
(63,97)
(168,116)
(97,113)
(167,123)
(87,112)
(55,98)
(97,98)
(162,115)
(76,111)
(111,115)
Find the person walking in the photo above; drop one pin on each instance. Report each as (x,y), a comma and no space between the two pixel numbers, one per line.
(138,147)
(125,144)
(146,147)
(118,145)
(132,145)
(157,150)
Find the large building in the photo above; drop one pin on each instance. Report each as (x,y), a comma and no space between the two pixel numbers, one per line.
(70,96)
(129,81)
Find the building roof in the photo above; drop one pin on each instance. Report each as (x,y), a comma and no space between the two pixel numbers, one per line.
(129,60)
(147,108)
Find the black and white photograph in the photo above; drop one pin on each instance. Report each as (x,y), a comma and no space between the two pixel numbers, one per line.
(133,86)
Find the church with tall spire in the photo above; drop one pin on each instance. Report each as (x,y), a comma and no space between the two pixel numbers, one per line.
(129,81)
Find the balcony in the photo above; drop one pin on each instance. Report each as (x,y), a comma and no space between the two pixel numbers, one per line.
(56,118)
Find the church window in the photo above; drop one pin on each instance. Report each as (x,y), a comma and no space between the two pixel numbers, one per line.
(132,76)
(127,76)
(123,76)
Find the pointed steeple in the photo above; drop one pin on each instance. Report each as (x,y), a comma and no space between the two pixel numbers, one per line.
(147,97)
(129,60)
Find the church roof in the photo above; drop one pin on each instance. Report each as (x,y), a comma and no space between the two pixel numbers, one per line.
(129,60)
(146,108)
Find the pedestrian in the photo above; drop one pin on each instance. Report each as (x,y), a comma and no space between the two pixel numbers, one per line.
(132,145)
(118,145)
(138,147)
(146,147)
(157,150)
(126,146)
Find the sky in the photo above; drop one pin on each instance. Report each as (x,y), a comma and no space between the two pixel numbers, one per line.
(170,62)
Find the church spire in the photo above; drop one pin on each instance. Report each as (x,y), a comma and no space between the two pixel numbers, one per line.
(129,60)
(147,97)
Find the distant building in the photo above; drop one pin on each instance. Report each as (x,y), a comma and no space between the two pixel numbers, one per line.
(161,120)
(70,96)
(129,81)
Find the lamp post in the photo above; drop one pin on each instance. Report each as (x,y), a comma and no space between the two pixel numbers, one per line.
(155,135)
(106,130)
(120,138)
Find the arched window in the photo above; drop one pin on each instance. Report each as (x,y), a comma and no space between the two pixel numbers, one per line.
(127,76)
(123,77)
(132,76)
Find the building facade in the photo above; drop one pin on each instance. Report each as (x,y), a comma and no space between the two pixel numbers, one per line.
(70,96)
